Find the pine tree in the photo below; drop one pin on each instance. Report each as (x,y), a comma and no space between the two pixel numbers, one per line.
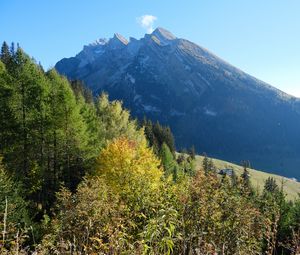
(167,159)
(13,208)
(6,56)
(192,153)
(210,166)
(234,179)
(246,178)
(68,132)
(152,140)
(271,185)
(7,120)
(81,90)
(12,49)
(205,164)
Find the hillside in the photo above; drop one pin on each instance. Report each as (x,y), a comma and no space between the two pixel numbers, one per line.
(207,102)
(291,187)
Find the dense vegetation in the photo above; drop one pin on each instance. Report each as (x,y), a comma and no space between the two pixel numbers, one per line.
(79,176)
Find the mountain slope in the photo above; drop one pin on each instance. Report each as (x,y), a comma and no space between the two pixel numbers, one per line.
(206,101)
(290,186)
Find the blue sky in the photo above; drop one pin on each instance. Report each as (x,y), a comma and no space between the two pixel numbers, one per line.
(261,37)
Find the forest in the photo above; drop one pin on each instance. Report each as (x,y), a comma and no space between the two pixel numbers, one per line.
(79,175)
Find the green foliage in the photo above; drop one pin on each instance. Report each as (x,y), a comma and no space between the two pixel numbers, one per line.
(82,171)
(216,219)
(115,121)
(81,91)
(271,185)
(192,153)
(186,165)
(14,215)
(208,165)
(168,161)
(68,132)
(51,133)
(247,188)
(157,135)
(205,164)
(159,236)
(109,210)
(5,56)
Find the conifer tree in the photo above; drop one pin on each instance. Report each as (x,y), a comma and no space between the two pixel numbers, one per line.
(12,49)
(157,135)
(68,132)
(211,167)
(6,56)
(205,164)
(13,208)
(234,179)
(167,159)
(247,188)
(192,152)
(271,185)
(7,120)
(81,90)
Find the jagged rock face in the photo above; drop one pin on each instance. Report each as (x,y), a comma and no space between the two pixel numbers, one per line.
(206,101)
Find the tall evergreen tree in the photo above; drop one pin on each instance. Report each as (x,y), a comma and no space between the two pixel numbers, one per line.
(157,135)
(68,132)
(81,90)
(7,119)
(192,152)
(205,164)
(247,188)
(271,185)
(234,179)
(167,159)
(6,56)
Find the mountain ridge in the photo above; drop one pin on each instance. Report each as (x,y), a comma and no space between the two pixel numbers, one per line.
(207,102)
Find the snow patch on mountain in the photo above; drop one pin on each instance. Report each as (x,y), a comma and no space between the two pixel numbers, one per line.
(83,63)
(101,41)
(174,112)
(203,79)
(137,98)
(210,112)
(99,51)
(188,68)
(155,97)
(151,108)
(130,78)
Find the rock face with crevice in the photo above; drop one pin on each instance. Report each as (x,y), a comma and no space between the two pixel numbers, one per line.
(207,102)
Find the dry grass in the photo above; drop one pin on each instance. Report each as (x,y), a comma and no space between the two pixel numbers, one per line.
(291,187)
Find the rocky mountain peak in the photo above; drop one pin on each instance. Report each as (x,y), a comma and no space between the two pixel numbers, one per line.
(121,38)
(163,35)
(117,42)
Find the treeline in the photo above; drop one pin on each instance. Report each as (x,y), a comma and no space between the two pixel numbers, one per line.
(79,176)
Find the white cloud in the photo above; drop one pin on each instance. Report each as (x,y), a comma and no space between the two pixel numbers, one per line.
(146,21)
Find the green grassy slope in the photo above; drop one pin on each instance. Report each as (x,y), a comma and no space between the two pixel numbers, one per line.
(291,187)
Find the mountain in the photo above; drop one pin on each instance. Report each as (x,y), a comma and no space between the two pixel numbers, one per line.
(207,102)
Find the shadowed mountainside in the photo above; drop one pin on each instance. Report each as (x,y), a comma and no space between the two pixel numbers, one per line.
(207,102)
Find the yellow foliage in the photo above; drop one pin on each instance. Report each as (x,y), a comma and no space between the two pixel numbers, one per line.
(125,164)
